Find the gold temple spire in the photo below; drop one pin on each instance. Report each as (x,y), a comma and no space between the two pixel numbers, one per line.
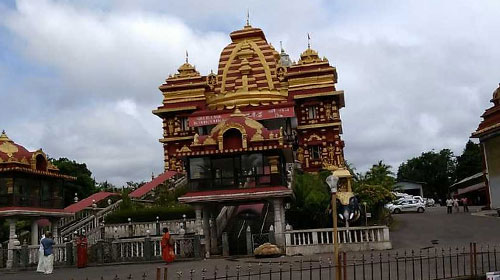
(308,40)
(4,137)
(248,18)
(187,57)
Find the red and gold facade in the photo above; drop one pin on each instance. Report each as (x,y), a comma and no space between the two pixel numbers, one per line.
(273,104)
(28,180)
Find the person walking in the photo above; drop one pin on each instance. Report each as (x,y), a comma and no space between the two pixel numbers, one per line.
(455,205)
(465,203)
(40,256)
(449,205)
(167,247)
(48,254)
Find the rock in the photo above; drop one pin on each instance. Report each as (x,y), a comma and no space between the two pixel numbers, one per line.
(267,250)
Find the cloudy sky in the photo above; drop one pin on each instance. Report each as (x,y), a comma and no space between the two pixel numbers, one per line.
(80,78)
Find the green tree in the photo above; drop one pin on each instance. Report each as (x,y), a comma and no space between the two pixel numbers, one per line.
(312,199)
(470,162)
(436,169)
(374,188)
(84,184)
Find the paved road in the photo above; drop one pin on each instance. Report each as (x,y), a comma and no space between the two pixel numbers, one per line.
(412,231)
(416,231)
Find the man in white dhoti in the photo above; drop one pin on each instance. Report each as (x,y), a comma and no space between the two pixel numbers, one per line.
(48,254)
(40,257)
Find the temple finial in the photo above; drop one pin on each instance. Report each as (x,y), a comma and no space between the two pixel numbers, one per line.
(308,41)
(248,17)
(187,57)
(281,45)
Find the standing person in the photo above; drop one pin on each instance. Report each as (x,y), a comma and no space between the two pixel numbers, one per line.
(40,256)
(455,205)
(465,203)
(48,254)
(167,247)
(449,205)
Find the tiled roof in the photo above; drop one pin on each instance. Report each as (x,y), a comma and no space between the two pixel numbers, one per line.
(152,185)
(87,202)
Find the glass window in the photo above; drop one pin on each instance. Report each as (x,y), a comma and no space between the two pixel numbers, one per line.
(184,124)
(312,112)
(199,168)
(251,164)
(315,152)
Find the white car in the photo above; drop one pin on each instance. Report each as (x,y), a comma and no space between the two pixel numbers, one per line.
(407,205)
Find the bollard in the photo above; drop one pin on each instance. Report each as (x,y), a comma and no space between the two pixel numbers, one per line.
(249,241)
(158,273)
(165,273)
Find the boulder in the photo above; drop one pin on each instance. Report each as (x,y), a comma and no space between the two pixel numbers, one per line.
(267,250)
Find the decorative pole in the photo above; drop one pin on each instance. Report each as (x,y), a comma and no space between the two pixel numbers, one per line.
(332,182)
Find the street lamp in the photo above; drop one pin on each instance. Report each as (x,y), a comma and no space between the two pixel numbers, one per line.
(332,182)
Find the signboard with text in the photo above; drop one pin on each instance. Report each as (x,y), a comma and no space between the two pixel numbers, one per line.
(276,113)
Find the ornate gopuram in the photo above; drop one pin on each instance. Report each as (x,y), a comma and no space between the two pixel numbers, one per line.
(236,134)
(31,188)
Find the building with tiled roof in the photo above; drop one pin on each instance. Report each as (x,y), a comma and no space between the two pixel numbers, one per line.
(30,188)
(488,133)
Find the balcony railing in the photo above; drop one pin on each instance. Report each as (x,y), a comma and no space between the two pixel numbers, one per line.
(240,182)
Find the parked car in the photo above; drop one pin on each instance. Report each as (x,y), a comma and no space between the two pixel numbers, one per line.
(407,205)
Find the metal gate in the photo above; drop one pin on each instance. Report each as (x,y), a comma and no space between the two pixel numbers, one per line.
(261,238)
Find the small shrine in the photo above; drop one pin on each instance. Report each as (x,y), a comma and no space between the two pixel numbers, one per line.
(238,133)
(31,187)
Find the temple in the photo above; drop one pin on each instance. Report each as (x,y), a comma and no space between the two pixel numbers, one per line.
(31,188)
(488,133)
(237,133)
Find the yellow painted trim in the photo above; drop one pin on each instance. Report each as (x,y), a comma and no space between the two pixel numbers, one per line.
(167,110)
(332,93)
(318,125)
(163,140)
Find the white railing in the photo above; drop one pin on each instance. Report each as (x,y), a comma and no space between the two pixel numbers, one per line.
(58,249)
(133,248)
(90,224)
(140,229)
(311,241)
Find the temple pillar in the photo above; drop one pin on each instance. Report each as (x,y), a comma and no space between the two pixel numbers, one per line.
(206,230)
(55,230)
(198,221)
(34,232)
(278,221)
(12,242)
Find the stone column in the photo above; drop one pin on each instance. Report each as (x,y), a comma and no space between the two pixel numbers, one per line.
(34,232)
(55,230)
(12,241)
(214,244)
(206,230)
(278,221)
(198,223)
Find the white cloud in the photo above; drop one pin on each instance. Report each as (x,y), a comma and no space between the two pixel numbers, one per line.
(417,75)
